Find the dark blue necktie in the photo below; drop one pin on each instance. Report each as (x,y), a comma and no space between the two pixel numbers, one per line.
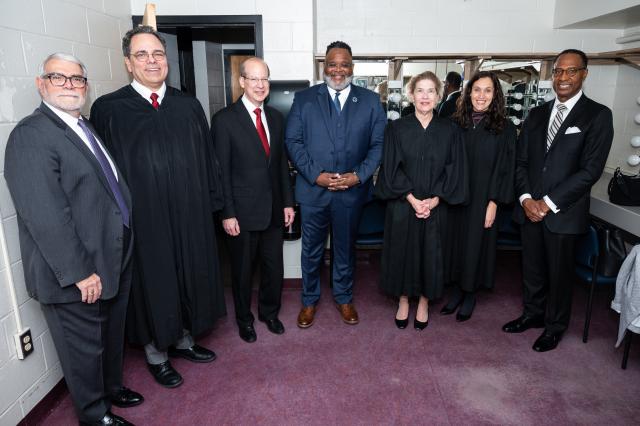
(336,102)
(108,172)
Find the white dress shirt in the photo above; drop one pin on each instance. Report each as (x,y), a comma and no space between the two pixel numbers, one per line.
(343,96)
(145,92)
(570,103)
(250,108)
(72,122)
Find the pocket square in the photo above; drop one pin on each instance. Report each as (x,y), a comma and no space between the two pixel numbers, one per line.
(572,130)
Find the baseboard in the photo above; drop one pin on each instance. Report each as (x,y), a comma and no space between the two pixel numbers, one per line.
(46,405)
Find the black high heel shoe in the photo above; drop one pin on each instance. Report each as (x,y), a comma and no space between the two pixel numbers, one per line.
(402,323)
(419,325)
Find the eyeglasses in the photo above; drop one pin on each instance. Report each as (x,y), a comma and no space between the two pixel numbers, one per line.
(143,56)
(255,80)
(345,65)
(60,80)
(571,72)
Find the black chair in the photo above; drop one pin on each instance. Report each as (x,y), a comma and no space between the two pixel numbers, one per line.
(370,229)
(587,253)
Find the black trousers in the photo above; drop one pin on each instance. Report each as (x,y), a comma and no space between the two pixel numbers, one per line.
(548,268)
(267,246)
(89,340)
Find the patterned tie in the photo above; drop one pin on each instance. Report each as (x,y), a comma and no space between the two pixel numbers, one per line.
(557,122)
(108,172)
(336,102)
(261,131)
(154,100)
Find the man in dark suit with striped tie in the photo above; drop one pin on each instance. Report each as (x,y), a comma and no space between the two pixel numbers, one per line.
(562,151)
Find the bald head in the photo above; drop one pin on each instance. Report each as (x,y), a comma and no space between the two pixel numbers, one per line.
(254,80)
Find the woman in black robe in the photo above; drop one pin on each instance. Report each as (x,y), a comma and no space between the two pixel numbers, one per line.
(423,163)
(490,144)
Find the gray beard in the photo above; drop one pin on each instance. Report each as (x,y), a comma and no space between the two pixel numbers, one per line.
(338,87)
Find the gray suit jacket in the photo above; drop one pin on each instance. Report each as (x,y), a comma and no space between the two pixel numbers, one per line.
(69,223)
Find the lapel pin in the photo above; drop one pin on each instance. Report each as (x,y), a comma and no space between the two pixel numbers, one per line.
(354,99)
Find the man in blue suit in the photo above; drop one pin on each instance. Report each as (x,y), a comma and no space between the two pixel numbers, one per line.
(334,137)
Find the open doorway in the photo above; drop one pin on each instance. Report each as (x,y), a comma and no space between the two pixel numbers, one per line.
(204,54)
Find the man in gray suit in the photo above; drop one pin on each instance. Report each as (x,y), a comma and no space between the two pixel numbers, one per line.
(73,219)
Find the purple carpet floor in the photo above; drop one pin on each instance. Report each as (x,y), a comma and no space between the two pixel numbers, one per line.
(372,373)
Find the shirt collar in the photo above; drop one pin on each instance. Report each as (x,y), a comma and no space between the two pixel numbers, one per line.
(250,106)
(69,119)
(343,92)
(569,103)
(145,92)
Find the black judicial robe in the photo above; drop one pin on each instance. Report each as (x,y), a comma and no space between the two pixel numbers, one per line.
(168,158)
(491,165)
(425,162)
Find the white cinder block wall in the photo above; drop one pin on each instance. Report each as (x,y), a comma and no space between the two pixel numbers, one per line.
(293,30)
(29,31)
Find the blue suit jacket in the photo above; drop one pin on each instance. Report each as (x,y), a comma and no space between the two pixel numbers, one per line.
(311,141)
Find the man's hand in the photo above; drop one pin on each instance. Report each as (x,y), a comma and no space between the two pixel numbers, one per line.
(532,209)
(91,288)
(490,215)
(289,215)
(231,226)
(337,181)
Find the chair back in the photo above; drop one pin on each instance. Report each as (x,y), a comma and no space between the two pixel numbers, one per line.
(587,249)
(371,226)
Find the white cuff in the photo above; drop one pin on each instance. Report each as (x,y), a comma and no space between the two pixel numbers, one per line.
(551,204)
(524,197)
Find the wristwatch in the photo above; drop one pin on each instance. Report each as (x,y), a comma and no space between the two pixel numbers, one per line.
(356,175)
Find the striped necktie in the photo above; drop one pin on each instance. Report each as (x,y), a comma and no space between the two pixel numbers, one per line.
(557,122)
(336,102)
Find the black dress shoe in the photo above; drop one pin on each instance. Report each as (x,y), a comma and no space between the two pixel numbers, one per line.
(402,323)
(274,325)
(109,419)
(419,325)
(547,341)
(456,299)
(165,374)
(125,397)
(522,324)
(247,333)
(195,353)
(464,314)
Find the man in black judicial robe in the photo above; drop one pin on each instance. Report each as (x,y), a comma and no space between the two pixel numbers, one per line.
(160,139)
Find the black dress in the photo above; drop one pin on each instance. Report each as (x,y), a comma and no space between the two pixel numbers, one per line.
(491,165)
(426,163)
(167,159)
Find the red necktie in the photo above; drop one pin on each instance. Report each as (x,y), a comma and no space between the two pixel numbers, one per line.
(154,101)
(261,131)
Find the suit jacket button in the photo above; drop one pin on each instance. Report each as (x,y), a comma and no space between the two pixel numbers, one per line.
(544,169)
(117,212)
(119,239)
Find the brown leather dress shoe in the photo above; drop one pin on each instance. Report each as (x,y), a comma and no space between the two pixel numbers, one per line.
(305,317)
(348,312)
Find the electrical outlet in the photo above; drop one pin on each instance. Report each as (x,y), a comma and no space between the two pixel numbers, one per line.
(24,343)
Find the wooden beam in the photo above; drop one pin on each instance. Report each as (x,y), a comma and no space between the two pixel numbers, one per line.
(149,17)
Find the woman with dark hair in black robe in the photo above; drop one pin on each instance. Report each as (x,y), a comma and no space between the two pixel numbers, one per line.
(423,163)
(490,144)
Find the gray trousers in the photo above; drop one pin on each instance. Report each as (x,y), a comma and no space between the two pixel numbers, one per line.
(155,356)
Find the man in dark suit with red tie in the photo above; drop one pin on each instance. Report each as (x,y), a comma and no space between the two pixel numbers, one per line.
(258,200)
(562,151)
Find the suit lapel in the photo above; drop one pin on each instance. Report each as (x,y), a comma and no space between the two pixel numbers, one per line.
(274,131)
(79,144)
(351,105)
(576,111)
(323,103)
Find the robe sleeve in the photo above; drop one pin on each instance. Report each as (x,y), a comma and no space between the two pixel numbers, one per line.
(452,185)
(393,182)
(502,183)
(214,173)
